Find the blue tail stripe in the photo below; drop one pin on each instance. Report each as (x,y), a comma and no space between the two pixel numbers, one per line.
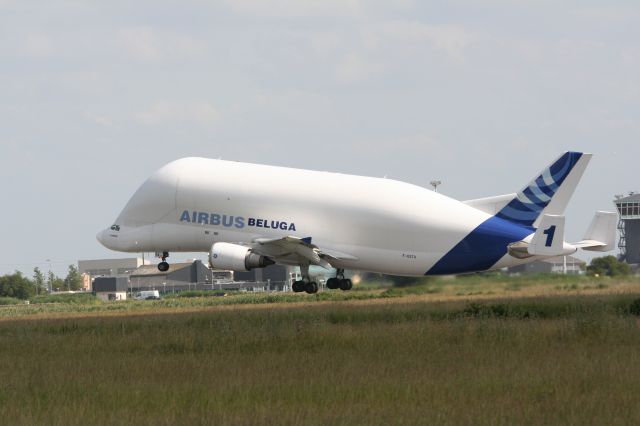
(533,197)
(516,215)
(482,248)
(488,243)
(540,194)
(527,212)
(560,166)
(543,186)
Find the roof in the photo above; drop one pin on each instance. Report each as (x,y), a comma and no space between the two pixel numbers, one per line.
(152,270)
(632,198)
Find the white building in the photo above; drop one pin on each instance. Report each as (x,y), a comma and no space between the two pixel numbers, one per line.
(111,289)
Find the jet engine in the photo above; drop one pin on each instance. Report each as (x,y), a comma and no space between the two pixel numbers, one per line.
(235,257)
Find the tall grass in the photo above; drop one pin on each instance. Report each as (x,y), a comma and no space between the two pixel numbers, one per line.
(535,361)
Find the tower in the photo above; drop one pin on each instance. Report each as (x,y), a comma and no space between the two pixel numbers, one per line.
(629,227)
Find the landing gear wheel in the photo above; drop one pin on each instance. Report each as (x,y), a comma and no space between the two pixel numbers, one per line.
(311,287)
(163,266)
(346,284)
(333,283)
(298,286)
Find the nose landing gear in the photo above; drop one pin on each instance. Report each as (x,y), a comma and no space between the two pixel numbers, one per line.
(164,265)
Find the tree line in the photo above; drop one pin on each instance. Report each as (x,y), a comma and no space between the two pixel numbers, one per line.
(18,286)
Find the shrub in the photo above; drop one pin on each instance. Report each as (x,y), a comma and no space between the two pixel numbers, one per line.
(10,301)
(634,308)
(608,266)
(16,286)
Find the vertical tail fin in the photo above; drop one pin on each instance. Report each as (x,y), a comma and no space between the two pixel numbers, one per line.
(601,235)
(549,192)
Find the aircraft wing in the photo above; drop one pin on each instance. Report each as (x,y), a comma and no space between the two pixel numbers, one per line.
(295,250)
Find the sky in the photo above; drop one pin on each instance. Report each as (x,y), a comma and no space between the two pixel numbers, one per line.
(482,95)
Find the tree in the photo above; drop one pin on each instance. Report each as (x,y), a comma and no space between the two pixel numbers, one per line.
(50,279)
(73,280)
(608,266)
(55,283)
(16,285)
(39,281)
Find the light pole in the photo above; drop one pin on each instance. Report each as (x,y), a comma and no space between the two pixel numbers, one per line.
(50,280)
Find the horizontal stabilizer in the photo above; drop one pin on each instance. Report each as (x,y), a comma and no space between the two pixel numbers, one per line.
(601,235)
(491,205)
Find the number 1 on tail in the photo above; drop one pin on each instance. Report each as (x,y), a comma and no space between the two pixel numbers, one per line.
(549,233)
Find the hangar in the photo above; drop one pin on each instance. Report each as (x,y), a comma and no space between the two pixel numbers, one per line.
(179,277)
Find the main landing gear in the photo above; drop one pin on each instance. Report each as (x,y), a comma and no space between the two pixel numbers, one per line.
(164,265)
(339,281)
(311,287)
(305,284)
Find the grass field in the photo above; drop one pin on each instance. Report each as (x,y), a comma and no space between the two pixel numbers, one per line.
(430,357)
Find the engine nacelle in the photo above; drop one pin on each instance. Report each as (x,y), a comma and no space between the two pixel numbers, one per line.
(235,257)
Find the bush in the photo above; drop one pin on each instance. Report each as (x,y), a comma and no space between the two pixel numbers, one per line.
(16,286)
(608,266)
(634,308)
(10,301)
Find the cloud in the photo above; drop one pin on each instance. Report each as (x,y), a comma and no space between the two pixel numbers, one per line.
(178,112)
(357,68)
(297,8)
(609,14)
(453,40)
(148,44)
(99,119)
(38,45)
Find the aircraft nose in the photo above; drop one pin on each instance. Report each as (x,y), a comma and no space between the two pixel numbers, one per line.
(101,237)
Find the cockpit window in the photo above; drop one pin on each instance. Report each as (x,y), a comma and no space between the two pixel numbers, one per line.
(115,228)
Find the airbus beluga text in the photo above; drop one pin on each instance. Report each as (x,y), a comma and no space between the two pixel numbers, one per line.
(249,216)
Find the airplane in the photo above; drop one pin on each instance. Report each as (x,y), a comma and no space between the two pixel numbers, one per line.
(249,216)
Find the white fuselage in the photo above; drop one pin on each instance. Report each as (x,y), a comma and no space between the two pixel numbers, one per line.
(383,225)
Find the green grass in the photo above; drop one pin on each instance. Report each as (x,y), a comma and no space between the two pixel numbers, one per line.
(73,298)
(546,360)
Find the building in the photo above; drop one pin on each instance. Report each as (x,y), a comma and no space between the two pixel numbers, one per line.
(276,277)
(180,276)
(109,267)
(552,265)
(110,288)
(86,282)
(629,227)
